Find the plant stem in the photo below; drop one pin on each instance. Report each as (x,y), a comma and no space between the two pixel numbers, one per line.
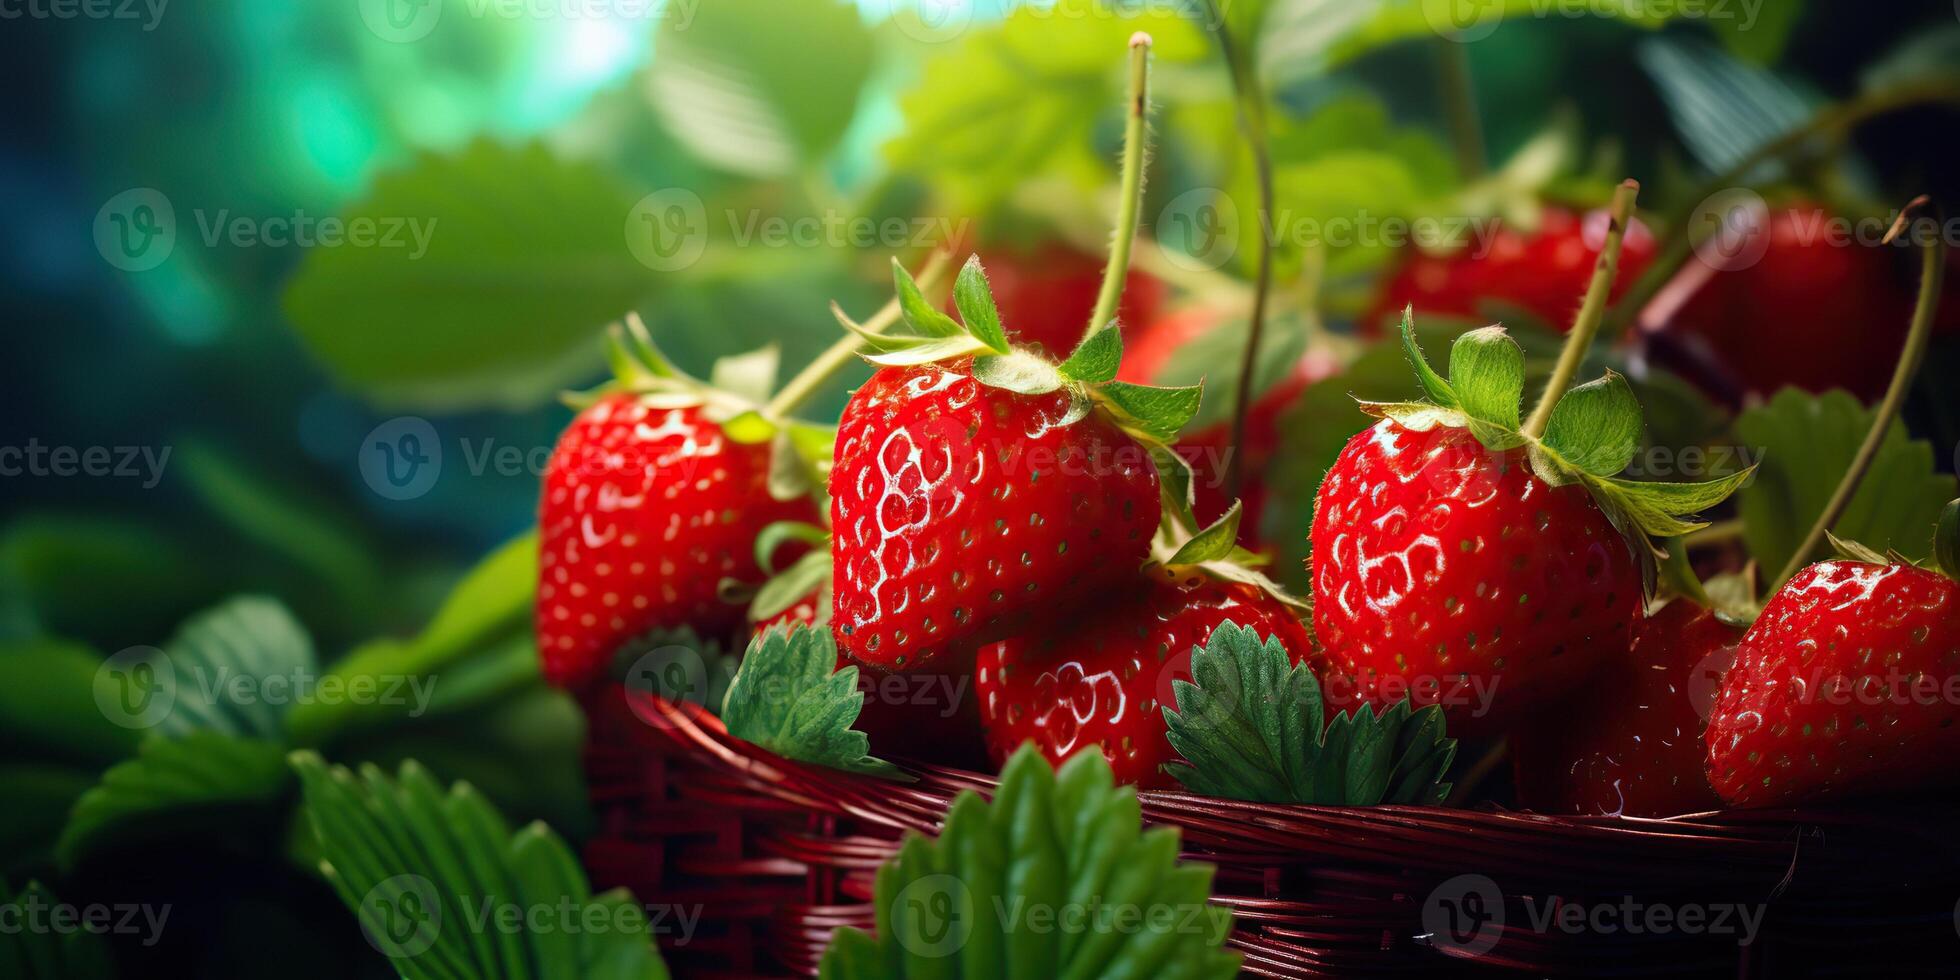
(1586,324)
(1931,276)
(1252,126)
(1676,244)
(827,364)
(1136,139)
(1460,107)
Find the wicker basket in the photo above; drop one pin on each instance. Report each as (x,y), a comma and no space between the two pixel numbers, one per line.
(777,855)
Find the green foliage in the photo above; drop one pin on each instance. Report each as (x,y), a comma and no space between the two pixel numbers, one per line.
(1212,359)
(1250,724)
(1723,108)
(1806,443)
(206,783)
(433,875)
(45,953)
(221,659)
(789,698)
(995,894)
(1160,412)
(507,303)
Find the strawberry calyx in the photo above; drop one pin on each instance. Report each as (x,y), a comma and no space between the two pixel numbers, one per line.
(1946,540)
(1591,435)
(787,586)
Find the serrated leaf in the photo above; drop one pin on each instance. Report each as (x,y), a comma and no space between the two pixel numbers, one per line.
(789,698)
(1596,426)
(1161,412)
(1249,727)
(176,785)
(750,376)
(1214,542)
(1012,888)
(234,668)
(1487,376)
(30,950)
(1805,443)
(1021,372)
(1097,358)
(924,318)
(975,301)
(436,877)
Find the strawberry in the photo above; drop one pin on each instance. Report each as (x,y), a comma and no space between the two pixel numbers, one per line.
(1100,683)
(1045,294)
(1630,742)
(1846,685)
(1544,271)
(976,482)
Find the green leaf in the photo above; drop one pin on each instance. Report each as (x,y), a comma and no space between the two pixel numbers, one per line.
(758,87)
(1946,540)
(1439,391)
(1025,886)
(1177,482)
(1657,508)
(1022,372)
(445,889)
(1249,726)
(1160,412)
(1214,542)
(48,707)
(1097,358)
(238,669)
(47,953)
(975,300)
(1763,31)
(750,376)
(807,575)
(1596,426)
(1805,443)
(789,698)
(506,306)
(176,785)
(924,318)
(1487,375)
(1723,109)
(1213,359)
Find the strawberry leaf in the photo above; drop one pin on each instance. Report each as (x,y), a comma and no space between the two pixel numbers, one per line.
(923,317)
(1019,371)
(43,953)
(1022,886)
(1249,725)
(1658,508)
(789,698)
(1487,375)
(806,575)
(1946,540)
(1097,358)
(404,853)
(1438,390)
(676,665)
(1214,542)
(751,376)
(1174,475)
(975,300)
(1159,412)
(175,784)
(1595,428)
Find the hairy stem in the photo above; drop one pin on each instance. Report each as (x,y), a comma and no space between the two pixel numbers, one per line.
(1460,107)
(1931,276)
(1586,324)
(832,360)
(1136,139)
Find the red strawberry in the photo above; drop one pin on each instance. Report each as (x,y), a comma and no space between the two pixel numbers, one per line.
(1451,572)
(959,509)
(645,509)
(1814,311)
(1046,294)
(1101,682)
(1544,271)
(1630,742)
(1844,686)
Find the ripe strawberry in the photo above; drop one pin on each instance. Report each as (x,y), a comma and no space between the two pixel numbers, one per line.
(1100,682)
(1453,573)
(1630,742)
(959,509)
(1544,271)
(645,509)
(1844,686)
(1046,294)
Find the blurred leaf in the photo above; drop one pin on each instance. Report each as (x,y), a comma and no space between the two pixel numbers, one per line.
(759,86)
(48,710)
(1722,108)
(526,261)
(1923,57)
(1805,443)
(238,669)
(107,578)
(200,784)
(39,797)
(47,954)
(1763,31)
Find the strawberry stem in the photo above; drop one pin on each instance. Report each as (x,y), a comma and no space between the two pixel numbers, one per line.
(1460,107)
(1252,126)
(1136,138)
(1586,324)
(845,350)
(1931,278)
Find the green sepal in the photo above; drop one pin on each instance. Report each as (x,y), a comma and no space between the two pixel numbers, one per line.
(750,376)
(1487,377)
(1018,371)
(1433,385)
(908,352)
(808,574)
(1249,727)
(975,301)
(1854,551)
(1158,412)
(1946,540)
(789,698)
(1097,358)
(1415,416)
(1212,543)
(748,428)
(1658,508)
(924,318)
(1177,484)
(1596,427)
(776,534)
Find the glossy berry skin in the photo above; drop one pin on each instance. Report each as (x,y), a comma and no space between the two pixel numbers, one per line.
(1545,271)
(958,510)
(1845,686)
(644,511)
(1447,571)
(1046,294)
(1630,741)
(1100,684)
